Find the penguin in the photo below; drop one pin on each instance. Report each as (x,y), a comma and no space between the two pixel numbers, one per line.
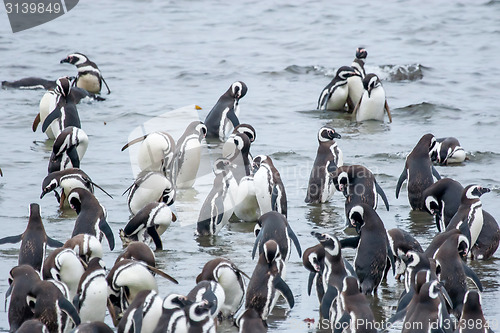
(93,327)
(91,296)
(67,180)
(64,265)
(33,240)
(418,171)
(230,278)
(32,326)
(463,244)
(210,291)
(442,200)
(68,149)
(219,204)
(447,151)
(143,314)
(138,251)
(372,247)
(187,155)
(63,112)
(328,158)
(269,189)
(488,240)
(224,114)
(173,318)
(313,260)
(274,226)
(148,224)
(30,83)
(401,242)
(373,102)
(334,95)
(89,76)
(355,83)
(91,216)
(251,322)
(358,184)
(51,307)
(199,318)
(472,319)
(237,150)
(156,152)
(358,63)
(149,186)
(266,281)
(86,246)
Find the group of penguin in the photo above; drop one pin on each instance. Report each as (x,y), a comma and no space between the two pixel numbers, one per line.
(70,289)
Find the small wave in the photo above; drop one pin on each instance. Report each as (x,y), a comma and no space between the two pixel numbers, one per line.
(310,69)
(483,156)
(395,73)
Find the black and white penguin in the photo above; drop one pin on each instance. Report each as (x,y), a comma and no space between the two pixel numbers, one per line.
(219,204)
(472,319)
(138,251)
(68,149)
(199,319)
(401,242)
(86,246)
(373,103)
(274,226)
(89,76)
(30,83)
(355,83)
(32,326)
(210,291)
(148,224)
(93,327)
(251,322)
(334,95)
(313,260)
(230,278)
(269,189)
(488,240)
(237,150)
(187,155)
(92,294)
(91,216)
(266,281)
(224,115)
(372,247)
(64,265)
(447,151)
(143,314)
(328,158)
(418,171)
(33,240)
(149,186)
(442,200)
(173,318)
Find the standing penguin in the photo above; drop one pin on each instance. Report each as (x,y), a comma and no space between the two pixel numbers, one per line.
(149,186)
(334,95)
(224,114)
(269,188)
(418,171)
(447,150)
(187,155)
(328,158)
(33,240)
(89,76)
(355,83)
(68,149)
(373,103)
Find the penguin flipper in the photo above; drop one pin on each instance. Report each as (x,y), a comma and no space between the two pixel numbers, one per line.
(323,99)
(281,285)
(36,122)
(233,118)
(106,229)
(332,167)
(390,256)
(349,268)
(435,173)
(11,239)
(137,319)
(107,87)
(342,322)
(139,139)
(70,310)
(446,296)
(256,243)
(162,274)
(472,275)
(56,113)
(401,180)
(295,240)
(386,107)
(73,156)
(398,316)
(54,243)
(310,282)
(381,192)
(76,302)
(404,301)
(351,242)
(326,302)
(156,238)
(94,184)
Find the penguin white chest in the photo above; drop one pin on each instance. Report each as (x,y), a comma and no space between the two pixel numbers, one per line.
(89,82)
(372,107)
(338,98)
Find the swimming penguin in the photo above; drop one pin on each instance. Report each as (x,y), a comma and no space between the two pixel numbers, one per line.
(30,83)
(237,150)
(156,152)
(138,251)
(418,171)
(89,76)
(187,155)
(32,326)
(447,150)
(68,149)
(355,83)
(33,240)
(64,265)
(149,187)
(173,318)
(269,188)
(401,242)
(313,260)
(210,291)
(219,203)
(224,114)
(91,296)
(354,308)
(86,246)
(373,248)
(251,322)
(148,224)
(230,278)
(274,226)
(199,318)
(442,200)
(328,158)
(334,95)
(143,313)
(266,281)
(91,216)
(93,327)
(472,318)
(373,103)
(358,184)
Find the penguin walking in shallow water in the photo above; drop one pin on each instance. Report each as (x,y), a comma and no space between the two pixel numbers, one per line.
(447,151)
(328,158)
(334,95)
(355,83)
(269,189)
(149,186)
(89,76)
(418,171)
(224,115)
(33,240)
(187,155)
(373,103)
(68,149)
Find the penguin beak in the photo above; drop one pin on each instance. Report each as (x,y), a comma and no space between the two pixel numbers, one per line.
(64,60)
(483,190)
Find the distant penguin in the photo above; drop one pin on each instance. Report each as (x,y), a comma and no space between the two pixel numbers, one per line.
(401,242)
(373,103)
(143,314)
(328,158)
(33,240)
(442,200)
(149,187)
(354,308)
(199,319)
(224,115)
(269,189)
(89,76)
(251,322)
(68,149)
(472,312)
(418,171)
(187,155)
(266,281)
(86,246)
(173,318)
(355,83)
(210,291)
(334,95)
(91,216)
(30,83)
(138,251)
(219,204)
(148,224)
(447,151)
(313,260)
(64,265)
(32,326)
(358,63)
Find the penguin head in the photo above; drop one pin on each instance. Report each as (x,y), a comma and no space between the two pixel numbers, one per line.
(350,286)
(311,260)
(257,161)
(168,196)
(200,311)
(175,301)
(432,205)
(48,185)
(411,259)
(63,86)
(271,251)
(472,302)
(361,53)
(246,129)
(75,59)
(327,133)
(342,181)
(75,199)
(235,144)
(201,128)
(356,217)
(434,152)
(370,82)
(475,191)
(345,72)
(238,90)
(463,246)
(330,243)
(222,165)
